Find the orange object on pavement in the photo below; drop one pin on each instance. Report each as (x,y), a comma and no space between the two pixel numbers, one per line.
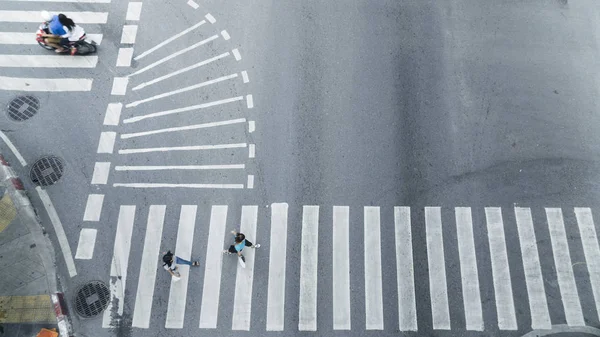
(47,333)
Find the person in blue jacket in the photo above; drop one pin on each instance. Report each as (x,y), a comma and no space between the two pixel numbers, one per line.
(57,30)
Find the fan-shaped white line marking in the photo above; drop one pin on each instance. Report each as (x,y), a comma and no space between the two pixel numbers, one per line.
(188,108)
(245,77)
(181,167)
(250,181)
(183,128)
(169,40)
(184,148)
(210,18)
(250,101)
(180,71)
(236,54)
(160,185)
(251,126)
(178,91)
(252,151)
(185,50)
(193,4)
(225,35)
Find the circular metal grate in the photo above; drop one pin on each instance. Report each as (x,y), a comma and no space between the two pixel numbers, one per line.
(23,108)
(46,171)
(92,299)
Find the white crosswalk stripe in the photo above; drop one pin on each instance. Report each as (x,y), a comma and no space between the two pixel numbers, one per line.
(493,255)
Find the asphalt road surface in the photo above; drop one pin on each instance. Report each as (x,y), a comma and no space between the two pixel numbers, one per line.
(414,167)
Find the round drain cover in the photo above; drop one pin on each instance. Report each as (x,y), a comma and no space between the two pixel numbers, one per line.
(23,108)
(46,171)
(92,299)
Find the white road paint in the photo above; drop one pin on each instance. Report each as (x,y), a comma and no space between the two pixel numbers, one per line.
(169,40)
(179,91)
(34,16)
(564,269)
(86,244)
(134,11)
(242,302)
(76,1)
(251,126)
(124,57)
(250,183)
(189,108)
(407,306)
(184,128)
(210,18)
(245,78)
(468,269)
(438,288)
(251,151)
(212,271)
(372,263)
(13,148)
(236,54)
(119,264)
(591,250)
(101,172)
(181,71)
(193,4)
(107,142)
(341,268)
(59,231)
(119,86)
(309,260)
(538,305)
(150,257)
(563,328)
(129,34)
(225,35)
(166,185)
(47,61)
(277,262)
(180,167)
(45,84)
(113,114)
(174,55)
(29,38)
(250,101)
(93,207)
(183,249)
(184,148)
(505,305)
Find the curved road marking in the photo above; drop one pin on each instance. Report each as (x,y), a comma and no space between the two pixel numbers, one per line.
(563,328)
(169,40)
(14,150)
(184,128)
(184,109)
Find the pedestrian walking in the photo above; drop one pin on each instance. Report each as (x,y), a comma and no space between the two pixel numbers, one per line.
(171,261)
(238,245)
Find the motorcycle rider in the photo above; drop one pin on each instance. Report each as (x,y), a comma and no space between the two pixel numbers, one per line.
(64,31)
(73,32)
(56,30)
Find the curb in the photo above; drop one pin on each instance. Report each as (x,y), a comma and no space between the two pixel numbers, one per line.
(27,214)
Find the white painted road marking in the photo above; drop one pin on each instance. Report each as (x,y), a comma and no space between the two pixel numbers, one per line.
(407,306)
(150,257)
(184,128)
(212,271)
(193,4)
(76,1)
(564,269)
(373,286)
(184,148)
(242,302)
(13,149)
(183,249)
(45,84)
(250,101)
(34,16)
(59,231)
(236,54)
(93,207)
(167,185)
(101,172)
(591,250)
(189,108)
(118,267)
(251,151)
(538,306)
(309,259)
(245,78)
(129,34)
(505,306)
(180,167)
(119,86)
(468,269)
(107,142)
(134,11)
(277,262)
(210,18)
(341,268)
(124,57)
(47,61)
(113,114)
(169,40)
(29,38)
(438,288)
(251,126)
(85,246)
(250,183)
(225,35)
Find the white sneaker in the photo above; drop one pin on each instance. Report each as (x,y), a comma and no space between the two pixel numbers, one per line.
(257,245)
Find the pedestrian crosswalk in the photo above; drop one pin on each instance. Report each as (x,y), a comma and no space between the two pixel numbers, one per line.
(323,238)
(21,56)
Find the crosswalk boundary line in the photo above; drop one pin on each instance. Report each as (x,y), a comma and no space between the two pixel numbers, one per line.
(309,255)
(591,250)
(212,271)
(438,288)
(407,305)
(468,269)
(119,264)
(373,281)
(242,302)
(183,249)
(341,268)
(505,305)
(147,277)
(277,259)
(20,38)
(564,268)
(34,16)
(538,305)
(47,61)
(32,84)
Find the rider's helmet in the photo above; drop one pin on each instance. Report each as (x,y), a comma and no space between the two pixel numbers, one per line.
(46,16)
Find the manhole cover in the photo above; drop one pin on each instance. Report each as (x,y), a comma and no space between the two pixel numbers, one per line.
(23,108)
(92,299)
(46,171)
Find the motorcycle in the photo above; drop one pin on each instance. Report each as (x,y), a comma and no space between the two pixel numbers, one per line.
(80,47)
